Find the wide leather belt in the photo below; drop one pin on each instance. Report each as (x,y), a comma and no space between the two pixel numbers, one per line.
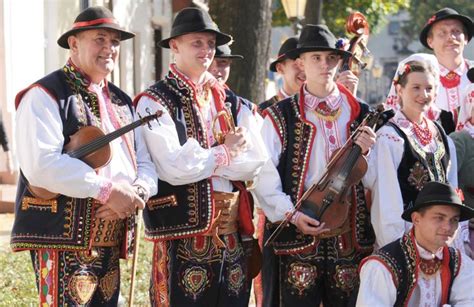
(225,217)
(107,233)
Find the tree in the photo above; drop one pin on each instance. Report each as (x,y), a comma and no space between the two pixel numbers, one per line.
(249,22)
(421,10)
(335,13)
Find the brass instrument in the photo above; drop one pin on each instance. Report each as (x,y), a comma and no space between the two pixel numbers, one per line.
(226,114)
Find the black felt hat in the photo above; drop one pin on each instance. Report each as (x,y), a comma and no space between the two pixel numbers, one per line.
(192,20)
(446,13)
(224,52)
(287,46)
(96,17)
(437,193)
(317,38)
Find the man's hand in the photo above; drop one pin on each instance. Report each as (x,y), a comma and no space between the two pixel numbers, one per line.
(309,226)
(349,80)
(122,202)
(236,142)
(366,139)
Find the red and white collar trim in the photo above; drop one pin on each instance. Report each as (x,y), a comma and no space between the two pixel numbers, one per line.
(460,70)
(333,100)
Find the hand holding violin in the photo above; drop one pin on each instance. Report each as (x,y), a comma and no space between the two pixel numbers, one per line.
(308,225)
(366,139)
(122,202)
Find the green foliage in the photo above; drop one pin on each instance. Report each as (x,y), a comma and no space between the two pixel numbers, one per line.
(17,280)
(421,10)
(336,12)
(18,287)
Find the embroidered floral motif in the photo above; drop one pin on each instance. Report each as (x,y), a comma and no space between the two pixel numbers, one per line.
(418,176)
(221,155)
(346,277)
(302,276)
(195,280)
(104,192)
(236,279)
(198,249)
(82,286)
(109,283)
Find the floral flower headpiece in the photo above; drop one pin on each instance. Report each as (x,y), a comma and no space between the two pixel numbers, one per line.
(342,44)
(406,70)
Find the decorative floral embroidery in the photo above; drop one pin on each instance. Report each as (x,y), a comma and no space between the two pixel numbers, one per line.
(109,283)
(195,280)
(82,286)
(419,176)
(302,276)
(236,279)
(104,192)
(346,277)
(221,154)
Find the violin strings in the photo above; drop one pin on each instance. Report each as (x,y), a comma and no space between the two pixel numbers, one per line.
(98,143)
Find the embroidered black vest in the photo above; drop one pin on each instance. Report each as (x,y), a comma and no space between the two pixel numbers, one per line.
(401,259)
(262,106)
(65,223)
(297,136)
(181,211)
(418,167)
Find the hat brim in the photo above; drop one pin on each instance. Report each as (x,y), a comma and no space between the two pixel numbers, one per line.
(229,56)
(466,21)
(221,38)
(466,213)
(124,35)
(280,59)
(298,51)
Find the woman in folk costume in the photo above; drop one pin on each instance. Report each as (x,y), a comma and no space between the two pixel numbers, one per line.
(393,100)
(464,140)
(410,151)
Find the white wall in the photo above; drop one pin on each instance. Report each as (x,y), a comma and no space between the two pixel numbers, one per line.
(29,30)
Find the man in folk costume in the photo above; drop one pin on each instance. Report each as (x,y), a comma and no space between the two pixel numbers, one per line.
(197,219)
(419,269)
(301,133)
(447,33)
(220,69)
(77,237)
(291,74)
(463,138)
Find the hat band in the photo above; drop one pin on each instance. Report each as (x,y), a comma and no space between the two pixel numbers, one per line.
(94,22)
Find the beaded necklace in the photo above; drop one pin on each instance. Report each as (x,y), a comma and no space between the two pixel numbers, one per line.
(423,134)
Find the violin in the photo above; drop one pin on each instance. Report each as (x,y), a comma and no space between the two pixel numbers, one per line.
(91,145)
(357,25)
(327,200)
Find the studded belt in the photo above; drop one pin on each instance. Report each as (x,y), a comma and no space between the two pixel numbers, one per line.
(107,233)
